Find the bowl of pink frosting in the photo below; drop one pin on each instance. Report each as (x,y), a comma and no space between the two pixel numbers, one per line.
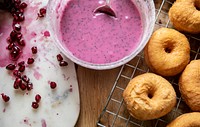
(99,41)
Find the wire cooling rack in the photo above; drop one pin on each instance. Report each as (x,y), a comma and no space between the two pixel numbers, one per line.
(115,113)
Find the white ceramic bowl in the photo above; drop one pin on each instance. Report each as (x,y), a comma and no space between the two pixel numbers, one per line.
(146,9)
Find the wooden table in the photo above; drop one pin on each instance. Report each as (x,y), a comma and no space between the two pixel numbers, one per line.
(94,87)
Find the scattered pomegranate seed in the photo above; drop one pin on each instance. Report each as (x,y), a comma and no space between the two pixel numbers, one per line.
(14,55)
(13,35)
(22,86)
(29,86)
(5,97)
(53,85)
(22,43)
(17,27)
(37,98)
(42,12)
(35,105)
(22,68)
(11,67)
(30,61)
(23,5)
(17,1)
(10,46)
(16,18)
(17,73)
(21,17)
(59,57)
(63,63)
(16,48)
(19,36)
(17,83)
(25,79)
(34,49)
(21,63)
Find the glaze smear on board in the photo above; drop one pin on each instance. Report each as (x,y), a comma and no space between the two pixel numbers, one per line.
(99,38)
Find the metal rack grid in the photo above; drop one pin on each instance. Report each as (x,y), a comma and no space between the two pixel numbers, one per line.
(115,113)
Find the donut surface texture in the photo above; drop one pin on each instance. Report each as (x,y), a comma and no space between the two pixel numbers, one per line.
(185,15)
(186,120)
(189,85)
(149,96)
(167,52)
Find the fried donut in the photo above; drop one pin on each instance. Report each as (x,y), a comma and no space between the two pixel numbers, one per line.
(149,96)
(186,120)
(185,15)
(189,85)
(167,52)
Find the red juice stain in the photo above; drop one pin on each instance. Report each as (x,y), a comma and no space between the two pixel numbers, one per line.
(4,110)
(43,123)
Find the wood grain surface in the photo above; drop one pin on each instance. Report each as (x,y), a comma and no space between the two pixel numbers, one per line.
(94,87)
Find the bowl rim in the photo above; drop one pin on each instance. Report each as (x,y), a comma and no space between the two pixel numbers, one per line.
(105,66)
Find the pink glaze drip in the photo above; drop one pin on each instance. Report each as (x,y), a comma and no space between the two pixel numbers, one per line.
(100,39)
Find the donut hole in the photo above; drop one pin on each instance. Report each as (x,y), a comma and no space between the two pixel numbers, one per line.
(168,49)
(150,95)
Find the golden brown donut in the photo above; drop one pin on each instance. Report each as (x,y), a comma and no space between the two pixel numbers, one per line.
(149,96)
(167,52)
(185,15)
(186,120)
(189,85)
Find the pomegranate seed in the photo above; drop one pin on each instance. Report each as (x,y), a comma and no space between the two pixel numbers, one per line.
(30,61)
(21,17)
(10,46)
(16,48)
(16,18)
(25,78)
(21,10)
(53,85)
(13,35)
(42,12)
(23,5)
(17,83)
(34,49)
(16,5)
(17,73)
(35,105)
(17,1)
(22,86)
(63,63)
(10,67)
(14,55)
(29,86)
(21,63)
(22,68)
(37,98)
(21,43)
(5,97)
(19,36)
(59,57)
(17,27)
